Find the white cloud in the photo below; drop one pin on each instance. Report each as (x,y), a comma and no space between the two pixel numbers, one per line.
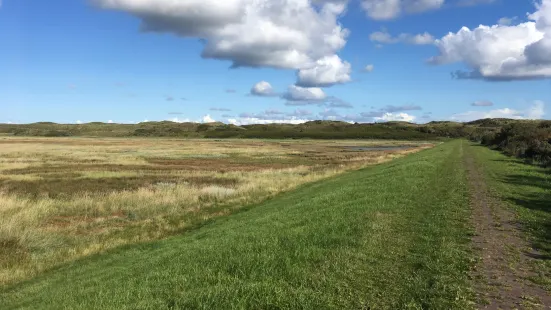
(506,21)
(366,117)
(369,68)
(289,34)
(389,9)
(262,88)
(415,39)
(389,117)
(297,93)
(325,72)
(207,119)
(256,120)
(179,120)
(78,122)
(502,52)
(536,111)
(271,117)
(109,122)
(301,96)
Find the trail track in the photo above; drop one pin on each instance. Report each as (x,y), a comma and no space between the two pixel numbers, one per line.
(503,271)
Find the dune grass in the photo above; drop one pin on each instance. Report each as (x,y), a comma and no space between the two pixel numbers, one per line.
(391,236)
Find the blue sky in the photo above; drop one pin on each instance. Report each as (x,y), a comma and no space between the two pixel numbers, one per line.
(75,60)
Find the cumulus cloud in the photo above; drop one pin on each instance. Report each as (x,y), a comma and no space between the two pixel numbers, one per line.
(415,39)
(390,9)
(263,89)
(179,120)
(369,68)
(301,96)
(482,103)
(501,52)
(296,93)
(325,72)
(535,111)
(207,119)
(288,34)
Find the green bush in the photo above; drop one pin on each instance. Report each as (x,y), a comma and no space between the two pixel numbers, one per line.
(528,140)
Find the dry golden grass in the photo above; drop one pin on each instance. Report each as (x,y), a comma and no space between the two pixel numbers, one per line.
(65,198)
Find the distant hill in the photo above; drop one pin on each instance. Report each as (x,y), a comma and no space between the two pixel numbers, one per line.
(312,129)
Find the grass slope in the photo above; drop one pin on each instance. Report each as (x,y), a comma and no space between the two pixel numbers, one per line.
(387,237)
(527,189)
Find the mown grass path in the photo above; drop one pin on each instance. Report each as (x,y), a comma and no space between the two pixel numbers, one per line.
(391,236)
(511,204)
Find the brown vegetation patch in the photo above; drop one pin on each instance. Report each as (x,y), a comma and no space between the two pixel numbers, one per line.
(220,164)
(158,165)
(60,175)
(12,252)
(67,187)
(56,222)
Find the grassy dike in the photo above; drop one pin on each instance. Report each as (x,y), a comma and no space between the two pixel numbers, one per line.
(390,236)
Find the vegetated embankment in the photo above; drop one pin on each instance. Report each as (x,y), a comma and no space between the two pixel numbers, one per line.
(390,236)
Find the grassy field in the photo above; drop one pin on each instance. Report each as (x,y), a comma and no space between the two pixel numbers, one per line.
(527,190)
(66,198)
(390,236)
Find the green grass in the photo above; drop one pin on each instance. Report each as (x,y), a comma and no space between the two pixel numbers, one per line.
(527,189)
(391,236)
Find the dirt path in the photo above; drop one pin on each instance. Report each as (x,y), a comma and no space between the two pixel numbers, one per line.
(502,274)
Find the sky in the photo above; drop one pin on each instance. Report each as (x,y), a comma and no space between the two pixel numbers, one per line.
(265,61)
